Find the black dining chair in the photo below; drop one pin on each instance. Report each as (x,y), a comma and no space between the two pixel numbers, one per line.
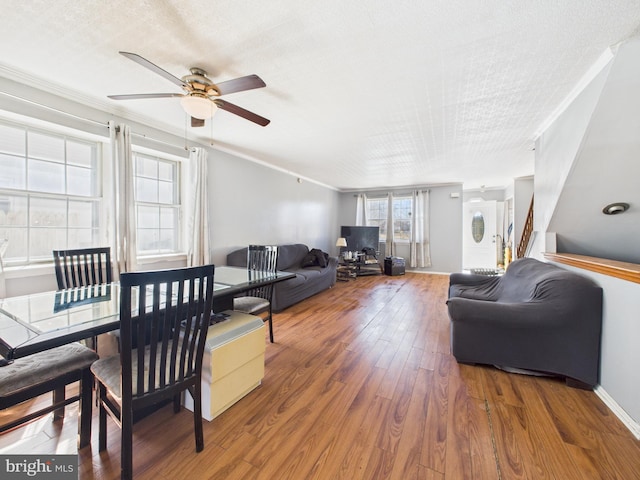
(82,267)
(171,309)
(261,259)
(28,377)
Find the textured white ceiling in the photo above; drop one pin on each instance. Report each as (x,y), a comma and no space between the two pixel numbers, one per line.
(360,94)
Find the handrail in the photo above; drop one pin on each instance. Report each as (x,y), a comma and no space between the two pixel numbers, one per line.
(612,268)
(526,232)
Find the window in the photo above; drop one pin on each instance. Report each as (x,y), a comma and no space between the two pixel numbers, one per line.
(377,216)
(50,193)
(158,204)
(402,219)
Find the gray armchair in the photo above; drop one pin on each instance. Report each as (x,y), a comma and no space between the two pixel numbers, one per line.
(536,317)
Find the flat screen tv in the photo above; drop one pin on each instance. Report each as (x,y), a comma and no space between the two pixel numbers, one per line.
(360,237)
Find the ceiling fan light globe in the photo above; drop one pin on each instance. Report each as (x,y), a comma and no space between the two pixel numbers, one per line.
(198,106)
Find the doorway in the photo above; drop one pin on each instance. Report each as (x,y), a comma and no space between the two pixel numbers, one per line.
(479,249)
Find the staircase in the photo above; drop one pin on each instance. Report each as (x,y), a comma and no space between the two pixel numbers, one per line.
(526,233)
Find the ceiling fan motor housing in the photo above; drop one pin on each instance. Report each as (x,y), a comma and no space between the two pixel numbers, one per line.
(199,81)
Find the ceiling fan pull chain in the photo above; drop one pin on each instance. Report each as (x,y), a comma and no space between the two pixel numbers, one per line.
(186,145)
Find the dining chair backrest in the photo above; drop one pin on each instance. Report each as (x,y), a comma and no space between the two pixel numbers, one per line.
(262,258)
(171,309)
(81,267)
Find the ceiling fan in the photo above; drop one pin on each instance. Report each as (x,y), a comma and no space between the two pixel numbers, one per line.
(201,97)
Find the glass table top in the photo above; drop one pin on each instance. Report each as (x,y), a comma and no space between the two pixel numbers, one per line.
(87,311)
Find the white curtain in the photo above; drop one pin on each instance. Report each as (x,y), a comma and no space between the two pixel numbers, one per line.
(197,209)
(420,250)
(362,218)
(390,244)
(125,245)
(4,243)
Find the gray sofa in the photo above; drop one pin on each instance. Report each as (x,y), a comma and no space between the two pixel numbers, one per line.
(308,280)
(536,317)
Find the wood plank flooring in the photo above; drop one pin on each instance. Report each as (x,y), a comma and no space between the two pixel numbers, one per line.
(361,384)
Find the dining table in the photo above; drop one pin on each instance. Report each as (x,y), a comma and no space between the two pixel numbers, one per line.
(41,321)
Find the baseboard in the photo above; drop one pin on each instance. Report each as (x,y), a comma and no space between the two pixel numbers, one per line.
(427,272)
(618,411)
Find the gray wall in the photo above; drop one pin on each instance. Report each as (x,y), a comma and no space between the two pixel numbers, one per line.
(445,223)
(252,203)
(249,203)
(620,355)
(589,158)
(585,160)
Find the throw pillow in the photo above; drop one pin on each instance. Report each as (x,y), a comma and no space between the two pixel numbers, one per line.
(322,259)
(309,260)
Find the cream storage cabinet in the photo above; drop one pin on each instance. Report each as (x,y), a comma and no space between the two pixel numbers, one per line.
(233,363)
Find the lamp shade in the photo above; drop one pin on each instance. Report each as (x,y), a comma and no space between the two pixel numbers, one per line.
(198,106)
(341,242)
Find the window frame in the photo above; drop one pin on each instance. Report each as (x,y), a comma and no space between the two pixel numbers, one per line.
(382,222)
(105,186)
(95,197)
(177,205)
(402,198)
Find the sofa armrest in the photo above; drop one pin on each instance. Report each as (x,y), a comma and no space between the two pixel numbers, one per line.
(478,287)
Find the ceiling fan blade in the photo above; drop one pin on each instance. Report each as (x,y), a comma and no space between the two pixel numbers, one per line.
(154,68)
(140,96)
(240,84)
(241,112)
(197,122)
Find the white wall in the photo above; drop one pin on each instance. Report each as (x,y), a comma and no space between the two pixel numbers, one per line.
(522,193)
(557,148)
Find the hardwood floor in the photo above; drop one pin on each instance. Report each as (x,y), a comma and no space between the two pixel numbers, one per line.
(360,384)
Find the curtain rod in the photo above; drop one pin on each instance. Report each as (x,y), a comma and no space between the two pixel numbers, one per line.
(26,100)
(428,190)
(142,135)
(89,120)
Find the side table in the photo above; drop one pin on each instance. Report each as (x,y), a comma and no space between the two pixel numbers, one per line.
(347,270)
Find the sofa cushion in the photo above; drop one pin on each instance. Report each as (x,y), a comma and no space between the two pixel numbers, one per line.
(238,258)
(290,256)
